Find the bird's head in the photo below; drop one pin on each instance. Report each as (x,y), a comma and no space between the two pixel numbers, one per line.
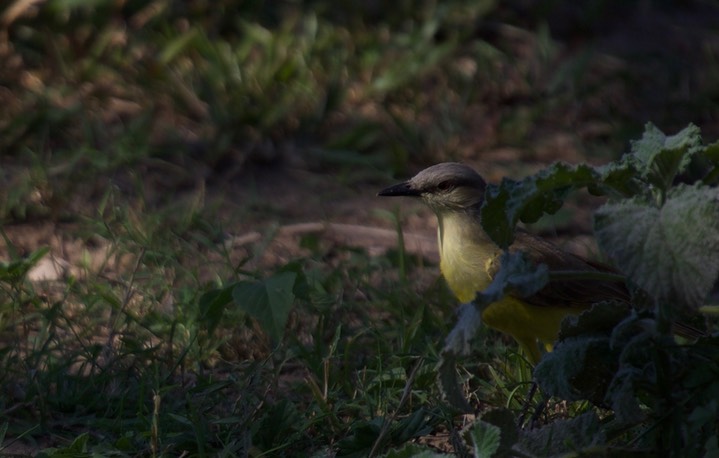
(449,186)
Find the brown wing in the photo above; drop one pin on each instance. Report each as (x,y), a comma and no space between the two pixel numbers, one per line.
(570,293)
(580,294)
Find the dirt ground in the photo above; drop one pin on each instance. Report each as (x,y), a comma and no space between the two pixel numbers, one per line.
(289,202)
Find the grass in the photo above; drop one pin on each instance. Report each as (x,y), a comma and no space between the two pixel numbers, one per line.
(125,129)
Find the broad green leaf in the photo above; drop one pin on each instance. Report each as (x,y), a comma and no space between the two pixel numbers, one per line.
(622,396)
(662,157)
(583,361)
(268,301)
(483,438)
(618,179)
(528,200)
(578,368)
(672,252)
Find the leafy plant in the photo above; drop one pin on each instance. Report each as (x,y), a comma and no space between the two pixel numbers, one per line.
(661,227)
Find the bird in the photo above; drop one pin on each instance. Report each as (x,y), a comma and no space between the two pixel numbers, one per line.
(469,260)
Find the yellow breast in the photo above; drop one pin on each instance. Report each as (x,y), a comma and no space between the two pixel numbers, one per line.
(466,257)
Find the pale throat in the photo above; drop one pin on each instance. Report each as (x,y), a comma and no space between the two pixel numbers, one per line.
(466,253)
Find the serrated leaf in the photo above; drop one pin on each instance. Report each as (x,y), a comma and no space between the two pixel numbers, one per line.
(449,383)
(469,319)
(578,368)
(663,157)
(618,179)
(483,437)
(672,252)
(711,152)
(583,361)
(622,398)
(527,200)
(268,301)
(600,319)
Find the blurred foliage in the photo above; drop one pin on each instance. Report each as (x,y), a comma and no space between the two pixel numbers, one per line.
(225,82)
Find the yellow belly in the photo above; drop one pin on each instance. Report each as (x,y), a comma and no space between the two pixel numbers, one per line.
(527,323)
(465,268)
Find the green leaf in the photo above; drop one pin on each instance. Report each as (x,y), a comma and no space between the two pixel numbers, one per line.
(578,368)
(711,152)
(483,437)
(672,252)
(662,157)
(268,301)
(622,397)
(212,306)
(449,383)
(177,46)
(583,361)
(600,319)
(527,200)
(618,179)
(469,319)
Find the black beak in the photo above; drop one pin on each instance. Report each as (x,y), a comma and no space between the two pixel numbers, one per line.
(402,189)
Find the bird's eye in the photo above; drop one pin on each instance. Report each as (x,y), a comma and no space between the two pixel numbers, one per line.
(445,186)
